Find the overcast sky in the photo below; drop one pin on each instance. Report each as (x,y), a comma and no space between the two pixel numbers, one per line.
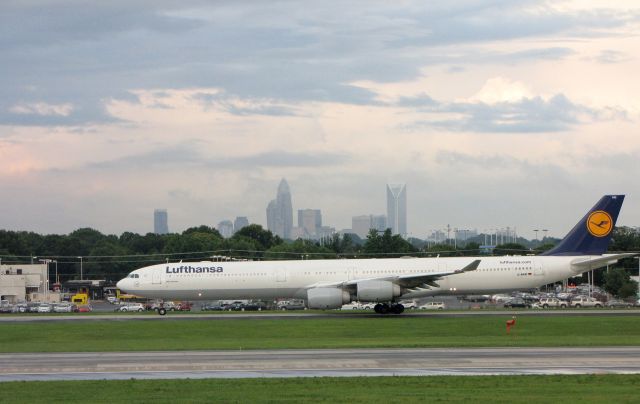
(494,113)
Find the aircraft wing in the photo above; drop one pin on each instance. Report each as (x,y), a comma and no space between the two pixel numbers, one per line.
(590,262)
(406,281)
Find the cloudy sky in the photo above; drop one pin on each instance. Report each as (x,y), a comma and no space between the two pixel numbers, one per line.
(494,113)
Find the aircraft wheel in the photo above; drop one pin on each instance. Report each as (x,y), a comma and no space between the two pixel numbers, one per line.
(162,311)
(397,308)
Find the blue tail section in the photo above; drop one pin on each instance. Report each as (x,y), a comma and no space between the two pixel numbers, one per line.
(592,234)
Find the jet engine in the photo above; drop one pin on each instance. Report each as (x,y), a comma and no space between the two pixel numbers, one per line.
(327,298)
(377,291)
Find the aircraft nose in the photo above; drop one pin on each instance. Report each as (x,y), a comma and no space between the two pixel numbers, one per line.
(120,285)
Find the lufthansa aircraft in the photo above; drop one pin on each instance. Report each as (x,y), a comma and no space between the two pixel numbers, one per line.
(328,284)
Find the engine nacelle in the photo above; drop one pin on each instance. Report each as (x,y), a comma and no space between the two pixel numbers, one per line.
(377,291)
(327,298)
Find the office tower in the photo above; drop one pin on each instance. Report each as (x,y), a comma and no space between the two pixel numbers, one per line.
(397,208)
(379,222)
(225,228)
(239,223)
(310,220)
(160,221)
(361,225)
(280,212)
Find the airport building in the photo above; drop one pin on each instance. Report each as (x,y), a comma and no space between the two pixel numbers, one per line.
(25,282)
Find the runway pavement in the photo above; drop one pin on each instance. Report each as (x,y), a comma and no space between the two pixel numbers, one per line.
(312,314)
(311,363)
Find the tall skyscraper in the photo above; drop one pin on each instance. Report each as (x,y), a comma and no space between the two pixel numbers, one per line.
(240,222)
(160,221)
(310,220)
(397,208)
(280,212)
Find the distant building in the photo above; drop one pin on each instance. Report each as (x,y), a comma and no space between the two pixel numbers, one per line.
(239,223)
(280,212)
(225,228)
(160,221)
(379,222)
(397,208)
(311,221)
(361,225)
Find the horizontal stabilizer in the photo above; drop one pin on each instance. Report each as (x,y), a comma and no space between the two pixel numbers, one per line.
(582,264)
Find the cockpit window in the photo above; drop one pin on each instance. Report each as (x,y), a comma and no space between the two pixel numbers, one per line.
(133,276)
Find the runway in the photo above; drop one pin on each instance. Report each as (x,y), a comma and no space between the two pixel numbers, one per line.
(310,314)
(314,363)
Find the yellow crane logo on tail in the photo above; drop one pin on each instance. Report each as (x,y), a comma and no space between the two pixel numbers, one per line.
(599,223)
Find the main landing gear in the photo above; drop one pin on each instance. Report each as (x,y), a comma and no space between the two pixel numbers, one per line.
(384,308)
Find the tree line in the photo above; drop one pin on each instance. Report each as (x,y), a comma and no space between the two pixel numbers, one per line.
(111,257)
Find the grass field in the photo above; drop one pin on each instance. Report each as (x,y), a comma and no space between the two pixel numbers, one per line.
(259,333)
(494,389)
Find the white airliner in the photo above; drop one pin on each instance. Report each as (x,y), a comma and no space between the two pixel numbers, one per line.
(328,284)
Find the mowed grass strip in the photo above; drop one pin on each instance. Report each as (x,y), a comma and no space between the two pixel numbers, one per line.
(494,389)
(399,332)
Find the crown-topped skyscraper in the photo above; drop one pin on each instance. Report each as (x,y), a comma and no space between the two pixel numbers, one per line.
(397,208)
(280,212)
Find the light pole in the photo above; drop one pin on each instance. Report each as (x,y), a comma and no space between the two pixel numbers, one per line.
(81,278)
(46,261)
(638,258)
(536,231)
(57,280)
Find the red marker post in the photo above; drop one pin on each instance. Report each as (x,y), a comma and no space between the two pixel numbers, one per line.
(510,323)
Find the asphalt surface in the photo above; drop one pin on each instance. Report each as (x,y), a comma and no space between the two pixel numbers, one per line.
(311,314)
(313,363)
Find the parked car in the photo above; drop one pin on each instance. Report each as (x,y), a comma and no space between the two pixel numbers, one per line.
(44,308)
(32,307)
(545,303)
(64,308)
(291,305)
(112,299)
(184,306)
(20,308)
(585,301)
(409,305)
(432,306)
(85,308)
(613,303)
(212,307)
(255,306)
(131,307)
(356,306)
(517,302)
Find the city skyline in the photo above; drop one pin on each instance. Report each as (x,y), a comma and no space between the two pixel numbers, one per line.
(202,107)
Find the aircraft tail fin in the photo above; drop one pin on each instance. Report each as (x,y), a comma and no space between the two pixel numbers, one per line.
(592,234)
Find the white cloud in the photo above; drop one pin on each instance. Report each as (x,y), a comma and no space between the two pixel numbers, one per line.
(500,89)
(42,108)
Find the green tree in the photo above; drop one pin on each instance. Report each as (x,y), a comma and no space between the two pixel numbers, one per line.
(618,282)
(386,245)
(265,238)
